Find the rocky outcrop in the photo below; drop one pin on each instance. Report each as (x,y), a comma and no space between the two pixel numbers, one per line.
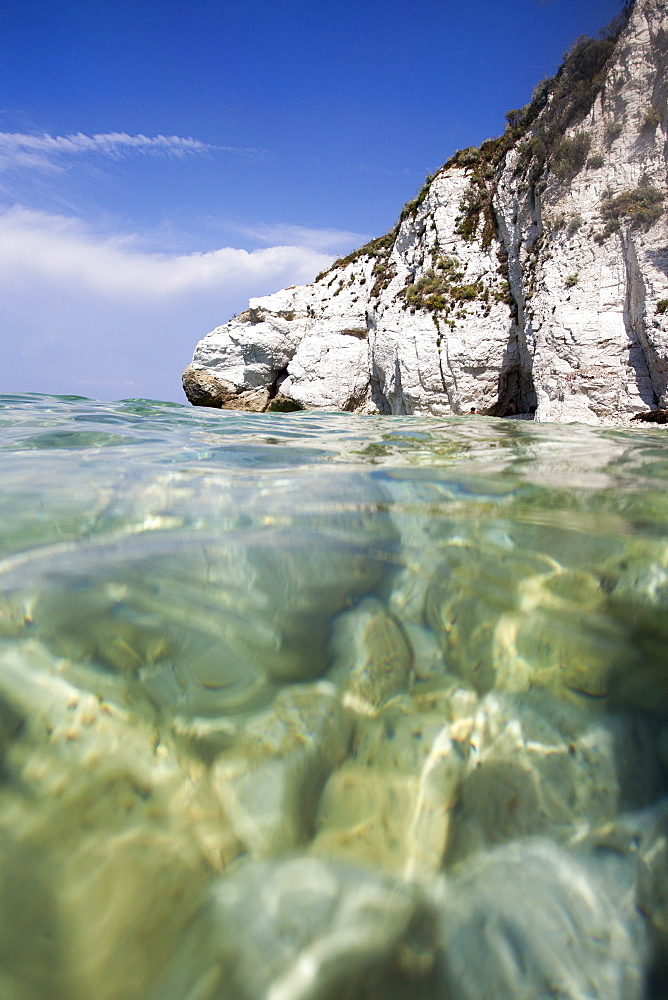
(529,275)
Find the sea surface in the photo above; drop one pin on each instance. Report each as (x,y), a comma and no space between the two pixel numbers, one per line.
(317,706)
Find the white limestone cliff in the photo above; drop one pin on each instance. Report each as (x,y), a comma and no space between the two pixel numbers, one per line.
(529,275)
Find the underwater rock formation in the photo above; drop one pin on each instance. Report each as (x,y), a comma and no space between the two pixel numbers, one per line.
(373,732)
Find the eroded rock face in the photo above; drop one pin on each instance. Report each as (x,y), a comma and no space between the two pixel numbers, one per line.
(528,277)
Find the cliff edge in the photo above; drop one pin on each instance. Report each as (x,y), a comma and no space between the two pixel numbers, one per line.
(529,275)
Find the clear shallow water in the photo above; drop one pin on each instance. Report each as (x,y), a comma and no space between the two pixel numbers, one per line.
(316,705)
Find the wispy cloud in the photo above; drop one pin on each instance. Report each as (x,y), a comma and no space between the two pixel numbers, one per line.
(49,152)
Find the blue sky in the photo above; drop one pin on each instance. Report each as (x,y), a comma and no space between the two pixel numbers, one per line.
(161,161)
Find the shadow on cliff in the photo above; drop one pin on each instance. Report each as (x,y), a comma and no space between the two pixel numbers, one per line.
(659,258)
(378,396)
(516,392)
(638,361)
(648,362)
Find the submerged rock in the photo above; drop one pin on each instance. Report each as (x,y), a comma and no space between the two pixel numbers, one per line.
(525,920)
(557,638)
(371,658)
(107,839)
(539,766)
(396,894)
(530,920)
(199,624)
(305,929)
(270,783)
(642,839)
(638,599)
(391,804)
(512,619)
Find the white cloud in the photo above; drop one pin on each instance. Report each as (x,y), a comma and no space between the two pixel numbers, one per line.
(36,246)
(46,152)
(97,314)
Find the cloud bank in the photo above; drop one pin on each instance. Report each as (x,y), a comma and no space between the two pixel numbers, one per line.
(96,315)
(36,246)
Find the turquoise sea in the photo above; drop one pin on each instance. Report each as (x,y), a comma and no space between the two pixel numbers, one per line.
(317,706)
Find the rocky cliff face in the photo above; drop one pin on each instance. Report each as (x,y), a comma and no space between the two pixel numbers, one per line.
(530,274)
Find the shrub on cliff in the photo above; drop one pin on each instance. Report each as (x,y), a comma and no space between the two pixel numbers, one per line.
(440,289)
(380,248)
(570,155)
(651,119)
(612,132)
(642,207)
